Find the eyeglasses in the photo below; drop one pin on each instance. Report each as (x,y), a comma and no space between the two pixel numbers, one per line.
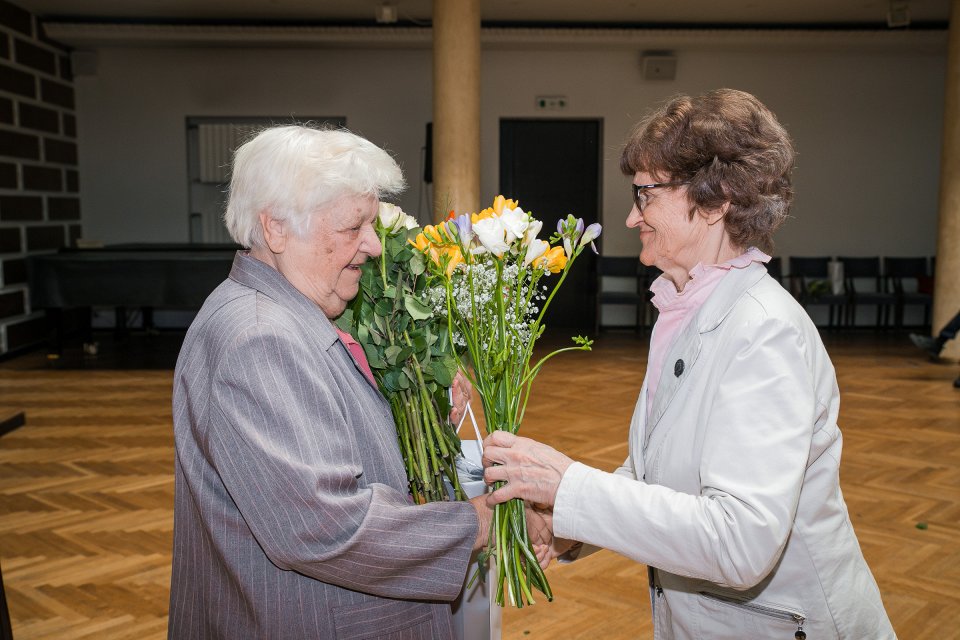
(640,191)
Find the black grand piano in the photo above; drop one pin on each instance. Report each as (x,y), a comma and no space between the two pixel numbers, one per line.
(142,276)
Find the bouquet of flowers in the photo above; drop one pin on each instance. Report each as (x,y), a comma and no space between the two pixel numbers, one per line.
(488,269)
(409,351)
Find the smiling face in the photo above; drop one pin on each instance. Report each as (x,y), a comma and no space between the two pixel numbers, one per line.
(672,240)
(324,264)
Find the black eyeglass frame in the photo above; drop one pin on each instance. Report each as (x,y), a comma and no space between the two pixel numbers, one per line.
(639,189)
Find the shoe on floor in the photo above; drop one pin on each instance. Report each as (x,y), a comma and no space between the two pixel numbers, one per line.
(927,343)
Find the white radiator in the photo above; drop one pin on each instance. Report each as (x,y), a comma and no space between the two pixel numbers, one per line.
(213,228)
(216,145)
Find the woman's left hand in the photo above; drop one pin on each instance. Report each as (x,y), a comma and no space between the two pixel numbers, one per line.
(462,390)
(531,470)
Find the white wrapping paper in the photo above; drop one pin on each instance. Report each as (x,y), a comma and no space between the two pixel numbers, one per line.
(473,616)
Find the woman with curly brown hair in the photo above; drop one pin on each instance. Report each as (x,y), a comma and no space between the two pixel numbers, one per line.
(730,492)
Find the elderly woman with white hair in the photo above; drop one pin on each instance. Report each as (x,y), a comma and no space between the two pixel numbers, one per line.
(292,517)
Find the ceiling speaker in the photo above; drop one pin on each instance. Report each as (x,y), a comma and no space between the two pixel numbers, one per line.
(659,67)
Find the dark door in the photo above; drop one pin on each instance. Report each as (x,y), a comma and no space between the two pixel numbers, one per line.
(553,167)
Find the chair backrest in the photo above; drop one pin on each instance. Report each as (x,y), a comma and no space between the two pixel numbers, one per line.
(650,273)
(619,267)
(861,267)
(912,270)
(808,267)
(775,268)
(897,267)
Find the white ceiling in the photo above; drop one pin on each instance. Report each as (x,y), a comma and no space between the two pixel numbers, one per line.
(867,13)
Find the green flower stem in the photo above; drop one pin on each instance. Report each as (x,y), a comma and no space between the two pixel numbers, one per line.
(421,452)
(503,377)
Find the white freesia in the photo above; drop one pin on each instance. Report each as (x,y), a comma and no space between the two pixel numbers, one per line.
(534,250)
(491,234)
(532,230)
(515,223)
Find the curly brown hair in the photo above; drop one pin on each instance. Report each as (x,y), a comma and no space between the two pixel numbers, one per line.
(730,148)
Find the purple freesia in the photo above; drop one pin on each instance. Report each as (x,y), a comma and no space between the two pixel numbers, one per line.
(464,228)
(590,234)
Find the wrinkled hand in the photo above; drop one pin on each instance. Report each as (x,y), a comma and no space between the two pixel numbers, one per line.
(532,470)
(462,390)
(540,529)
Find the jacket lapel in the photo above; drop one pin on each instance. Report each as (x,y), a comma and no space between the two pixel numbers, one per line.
(676,367)
(684,353)
(255,274)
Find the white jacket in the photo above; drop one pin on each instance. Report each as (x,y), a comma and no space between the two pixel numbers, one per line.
(731,490)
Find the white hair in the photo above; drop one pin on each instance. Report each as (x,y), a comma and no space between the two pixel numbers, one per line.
(293,171)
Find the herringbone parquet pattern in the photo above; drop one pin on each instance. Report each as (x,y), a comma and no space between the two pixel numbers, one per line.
(86,492)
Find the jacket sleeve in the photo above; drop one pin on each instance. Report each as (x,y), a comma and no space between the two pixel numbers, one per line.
(756,442)
(286,455)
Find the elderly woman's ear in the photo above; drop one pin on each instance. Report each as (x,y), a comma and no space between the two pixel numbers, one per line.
(714,216)
(274,232)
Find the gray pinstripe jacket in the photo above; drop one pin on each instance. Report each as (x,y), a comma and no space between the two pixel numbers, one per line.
(292,518)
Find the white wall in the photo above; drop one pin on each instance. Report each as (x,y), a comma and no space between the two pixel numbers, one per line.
(867,127)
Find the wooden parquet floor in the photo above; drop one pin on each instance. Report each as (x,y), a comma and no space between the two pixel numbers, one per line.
(86,492)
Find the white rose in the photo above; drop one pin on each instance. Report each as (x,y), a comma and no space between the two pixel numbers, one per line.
(389,215)
(409,222)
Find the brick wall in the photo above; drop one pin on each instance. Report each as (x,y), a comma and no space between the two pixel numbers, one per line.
(39,183)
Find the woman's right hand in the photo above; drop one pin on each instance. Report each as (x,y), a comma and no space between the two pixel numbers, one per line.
(546,546)
(531,470)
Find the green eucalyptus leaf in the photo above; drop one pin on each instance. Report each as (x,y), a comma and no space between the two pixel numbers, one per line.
(416,309)
(366,315)
(381,324)
(390,291)
(392,354)
(441,373)
(345,321)
(390,382)
(419,343)
(383,307)
(373,357)
(417,263)
(363,334)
